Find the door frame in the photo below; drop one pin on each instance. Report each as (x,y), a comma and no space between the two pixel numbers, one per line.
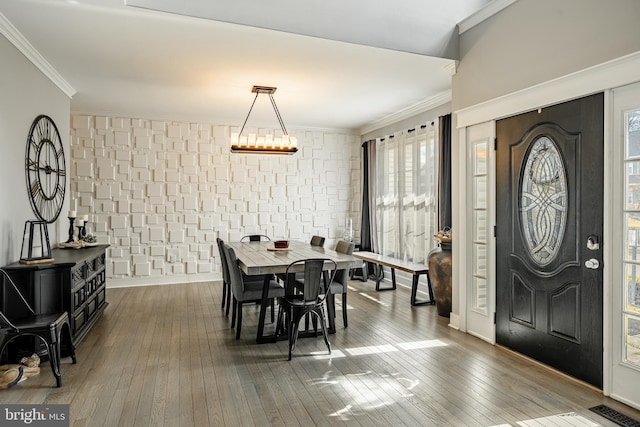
(599,78)
(628,377)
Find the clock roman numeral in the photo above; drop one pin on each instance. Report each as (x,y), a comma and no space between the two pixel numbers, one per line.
(36,189)
(33,166)
(34,145)
(59,191)
(44,128)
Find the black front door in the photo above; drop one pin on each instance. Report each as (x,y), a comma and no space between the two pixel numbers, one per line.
(549,204)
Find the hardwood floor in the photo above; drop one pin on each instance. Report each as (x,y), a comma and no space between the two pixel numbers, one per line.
(166,356)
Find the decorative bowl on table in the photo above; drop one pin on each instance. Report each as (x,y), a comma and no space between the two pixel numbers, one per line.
(281,244)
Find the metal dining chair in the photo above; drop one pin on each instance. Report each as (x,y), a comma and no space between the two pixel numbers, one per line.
(245,290)
(294,306)
(340,283)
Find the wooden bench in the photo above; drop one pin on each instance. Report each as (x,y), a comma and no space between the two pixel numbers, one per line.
(393,263)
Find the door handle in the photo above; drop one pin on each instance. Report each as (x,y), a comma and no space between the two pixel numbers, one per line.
(592,263)
(593,243)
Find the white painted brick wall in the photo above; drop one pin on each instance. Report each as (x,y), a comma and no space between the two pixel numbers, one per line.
(160,192)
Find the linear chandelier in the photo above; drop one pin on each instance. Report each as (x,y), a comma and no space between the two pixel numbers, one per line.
(264,144)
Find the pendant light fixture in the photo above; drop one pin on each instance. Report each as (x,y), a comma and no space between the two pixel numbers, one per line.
(264,144)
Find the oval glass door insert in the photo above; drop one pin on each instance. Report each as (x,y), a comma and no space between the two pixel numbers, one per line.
(543,200)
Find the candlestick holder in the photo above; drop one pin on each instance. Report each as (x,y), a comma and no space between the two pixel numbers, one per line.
(79,227)
(84,230)
(71,221)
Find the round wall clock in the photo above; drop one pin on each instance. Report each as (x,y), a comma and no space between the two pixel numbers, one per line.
(45,169)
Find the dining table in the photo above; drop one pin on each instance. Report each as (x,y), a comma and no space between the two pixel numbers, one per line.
(263,258)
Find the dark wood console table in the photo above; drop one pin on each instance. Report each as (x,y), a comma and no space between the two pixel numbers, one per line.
(75,282)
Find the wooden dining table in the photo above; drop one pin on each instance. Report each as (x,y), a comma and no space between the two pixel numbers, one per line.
(262,258)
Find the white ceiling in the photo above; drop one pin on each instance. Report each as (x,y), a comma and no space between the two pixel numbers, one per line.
(358,63)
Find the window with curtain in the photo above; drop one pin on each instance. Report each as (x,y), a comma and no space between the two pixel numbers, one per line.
(407,199)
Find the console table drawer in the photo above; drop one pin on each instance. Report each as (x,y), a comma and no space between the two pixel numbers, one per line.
(78,321)
(79,297)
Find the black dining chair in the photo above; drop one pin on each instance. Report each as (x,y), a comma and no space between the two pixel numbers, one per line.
(245,289)
(49,328)
(226,284)
(340,282)
(317,241)
(255,238)
(294,306)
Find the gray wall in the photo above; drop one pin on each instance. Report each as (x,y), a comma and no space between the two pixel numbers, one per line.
(24,94)
(534,41)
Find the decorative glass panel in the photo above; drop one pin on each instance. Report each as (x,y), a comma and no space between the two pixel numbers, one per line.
(543,200)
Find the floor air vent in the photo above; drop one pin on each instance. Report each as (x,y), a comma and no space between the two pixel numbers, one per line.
(615,416)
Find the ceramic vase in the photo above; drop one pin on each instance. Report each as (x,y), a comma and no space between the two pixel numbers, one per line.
(440,276)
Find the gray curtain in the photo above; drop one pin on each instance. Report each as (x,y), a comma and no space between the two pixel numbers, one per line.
(444,187)
(369,229)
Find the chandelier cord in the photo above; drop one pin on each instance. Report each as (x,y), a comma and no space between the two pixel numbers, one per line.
(275,108)
(249,113)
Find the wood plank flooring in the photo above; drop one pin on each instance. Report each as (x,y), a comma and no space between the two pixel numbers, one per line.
(166,356)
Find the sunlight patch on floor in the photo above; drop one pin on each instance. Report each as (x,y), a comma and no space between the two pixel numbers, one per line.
(323,355)
(339,306)
(570,419)
(421,344)
(372,349)
(384,304)
(387,348)
(366,391)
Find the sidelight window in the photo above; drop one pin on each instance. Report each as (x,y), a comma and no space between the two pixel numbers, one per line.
(631,306)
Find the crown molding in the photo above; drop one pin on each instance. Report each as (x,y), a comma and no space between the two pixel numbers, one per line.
(421,107)
(483,14)
(22,44)
(452,68)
